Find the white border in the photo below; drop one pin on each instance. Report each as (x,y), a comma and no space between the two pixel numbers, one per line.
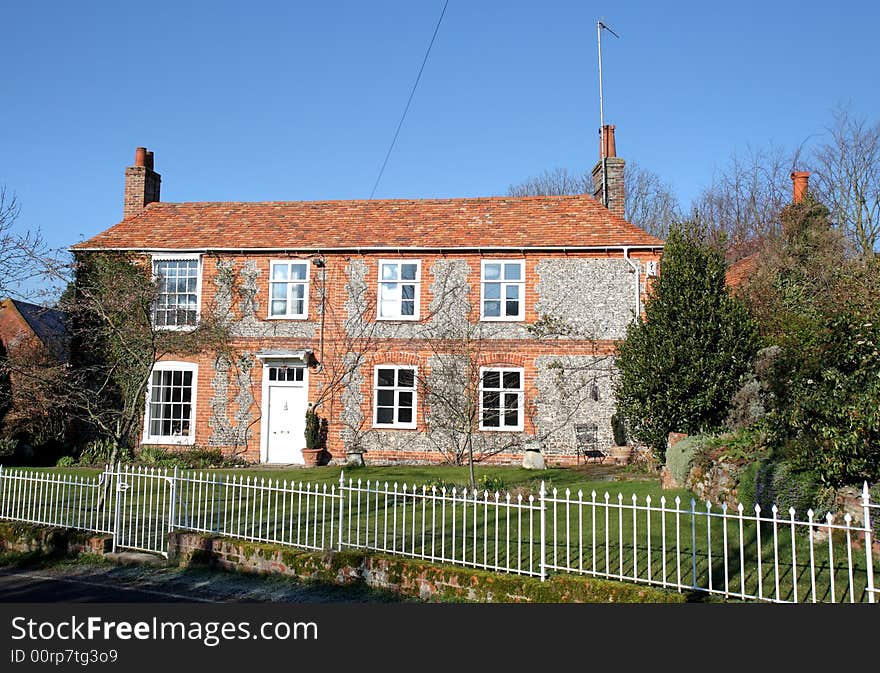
(178,440)
(522,398)
(396,389)
(417,300)
(522,283)
(264,401)
(201,272)
(307,282)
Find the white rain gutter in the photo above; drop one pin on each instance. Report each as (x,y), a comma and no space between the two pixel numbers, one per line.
(635,267)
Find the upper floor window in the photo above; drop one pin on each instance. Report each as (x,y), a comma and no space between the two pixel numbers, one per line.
(501,398)
(179,286)
(399,283)
(394,401)
(289,289)
(502,290)
(171,404)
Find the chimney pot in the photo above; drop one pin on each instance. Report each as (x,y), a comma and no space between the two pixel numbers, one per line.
(800,183)
(606,142)
(140,156)
(149,159)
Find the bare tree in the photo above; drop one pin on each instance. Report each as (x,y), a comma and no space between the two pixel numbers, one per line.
(649,202)
(558,182)
(847,177)
(744,200)
(23,256)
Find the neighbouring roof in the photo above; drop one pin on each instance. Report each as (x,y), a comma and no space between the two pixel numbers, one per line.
(740,270)
(492,222)
(47,324)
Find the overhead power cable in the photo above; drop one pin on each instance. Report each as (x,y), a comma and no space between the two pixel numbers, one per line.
(409,100)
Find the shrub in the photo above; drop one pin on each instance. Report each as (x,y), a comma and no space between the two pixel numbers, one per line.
(195,458)
(680,366)
(66,461)
(771,482)
(755,485)
(100,452)
(618,429)
(680,457)
(800,490)
(8,445)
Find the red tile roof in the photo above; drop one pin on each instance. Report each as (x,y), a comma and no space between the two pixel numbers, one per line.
(510,222)
(740,270)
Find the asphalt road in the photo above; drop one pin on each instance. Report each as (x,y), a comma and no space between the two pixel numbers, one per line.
(106,583)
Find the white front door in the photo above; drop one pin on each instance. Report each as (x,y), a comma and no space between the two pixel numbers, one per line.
(287,404)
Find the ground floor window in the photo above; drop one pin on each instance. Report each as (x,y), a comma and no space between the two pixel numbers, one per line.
(501,398)
(394,399)
(171,397)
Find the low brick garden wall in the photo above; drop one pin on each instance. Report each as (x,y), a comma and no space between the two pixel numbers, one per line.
(407,577)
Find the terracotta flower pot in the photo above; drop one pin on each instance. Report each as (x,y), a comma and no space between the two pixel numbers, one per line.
(312,457)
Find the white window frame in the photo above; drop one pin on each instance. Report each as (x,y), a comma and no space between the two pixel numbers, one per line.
(306,283)
(397,390)
(185,440)
(179,258)
(504,283)
(418,289)
(502,427)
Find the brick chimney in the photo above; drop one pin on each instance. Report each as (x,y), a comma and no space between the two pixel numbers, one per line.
(613,173)
(141,183)
(800,183)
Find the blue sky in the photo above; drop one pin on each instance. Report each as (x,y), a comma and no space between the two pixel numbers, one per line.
(296,100)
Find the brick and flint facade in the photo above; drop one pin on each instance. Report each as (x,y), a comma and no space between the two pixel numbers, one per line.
(398,319)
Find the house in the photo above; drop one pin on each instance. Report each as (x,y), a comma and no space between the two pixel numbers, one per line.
(30,328)
(31,335)
(419,328)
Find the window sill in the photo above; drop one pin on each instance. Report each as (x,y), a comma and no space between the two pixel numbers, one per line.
(412,319)
(377,426)
(482,429)
(288,317)
(175,328)
(170,441)
(513,319)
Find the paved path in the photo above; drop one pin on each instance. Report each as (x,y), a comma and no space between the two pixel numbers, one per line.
(106,583)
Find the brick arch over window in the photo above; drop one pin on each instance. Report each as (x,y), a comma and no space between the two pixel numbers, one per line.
(501,360)
(372,359)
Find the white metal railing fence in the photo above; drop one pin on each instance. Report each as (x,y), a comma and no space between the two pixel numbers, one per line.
(736,552)
(740,553)
(471,528)
(49,499)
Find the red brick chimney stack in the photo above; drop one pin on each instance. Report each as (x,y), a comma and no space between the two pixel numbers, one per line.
(609,173)
(800,183)
(142,183)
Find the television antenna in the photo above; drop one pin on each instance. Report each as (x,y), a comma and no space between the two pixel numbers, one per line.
(600,26)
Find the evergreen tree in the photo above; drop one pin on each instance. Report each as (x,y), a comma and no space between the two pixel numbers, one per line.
(681,365)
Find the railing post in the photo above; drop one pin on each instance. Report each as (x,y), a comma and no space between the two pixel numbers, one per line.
(218,498)
(172,502)
(541,499)
(869,560)
(341,506)
(114,488)
(693,543)
(2,491)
